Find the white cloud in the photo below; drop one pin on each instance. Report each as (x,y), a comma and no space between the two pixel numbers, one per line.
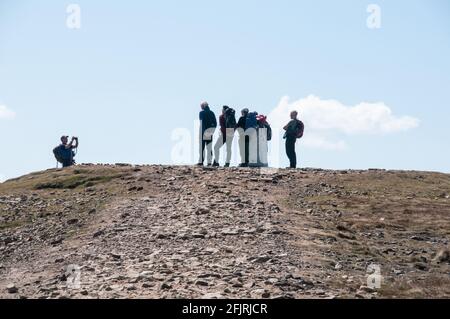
(323,118)
(313,140)
(6,113)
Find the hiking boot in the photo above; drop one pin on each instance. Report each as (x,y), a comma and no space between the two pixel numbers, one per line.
(199,164)
(227,165)
(215,164)
(243,165)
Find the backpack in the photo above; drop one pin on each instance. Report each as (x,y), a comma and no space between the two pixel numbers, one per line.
(269,131)
(262,123)
(230,118)
(251,121)
(62,154)
(301,129)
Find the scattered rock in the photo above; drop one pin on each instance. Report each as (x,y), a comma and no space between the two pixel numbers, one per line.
(12,289)
(261,259)
(165,286)
(72,221)
(338,266)
(234,233)
(98,233)
(213,295)
(116,256)
(442,256)
(421,266)
(202,283)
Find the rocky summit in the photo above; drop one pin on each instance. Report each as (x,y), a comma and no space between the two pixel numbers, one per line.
(122,231)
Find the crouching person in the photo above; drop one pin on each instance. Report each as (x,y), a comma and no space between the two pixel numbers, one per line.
(65,152)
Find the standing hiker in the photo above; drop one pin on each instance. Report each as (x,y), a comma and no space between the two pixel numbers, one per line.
(251,134)
(294,130)
(244,140)
(208,124)
(227,123)
(64,153)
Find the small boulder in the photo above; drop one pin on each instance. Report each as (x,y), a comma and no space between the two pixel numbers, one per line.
(12,289)
(442,256)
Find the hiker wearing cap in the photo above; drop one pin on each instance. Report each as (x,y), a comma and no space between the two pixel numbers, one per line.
(208,124)
(227,123)
(244,140)
(65,152)
(294,130)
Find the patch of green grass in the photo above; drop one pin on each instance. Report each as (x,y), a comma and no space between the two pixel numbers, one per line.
(75,181)
(78,171)
(65,179)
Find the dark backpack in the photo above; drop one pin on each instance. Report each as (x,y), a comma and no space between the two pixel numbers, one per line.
(269,132)
(230,118)
(251,121)
(301,129)
(62,154)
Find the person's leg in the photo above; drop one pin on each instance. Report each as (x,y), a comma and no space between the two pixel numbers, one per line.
(209,150)
(290,151)
(217,148)
(201,152)
(229,142)
(247,150)
(242,148)
(294,156)
(204,144)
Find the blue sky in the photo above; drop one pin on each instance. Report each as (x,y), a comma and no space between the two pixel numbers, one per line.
(137,70)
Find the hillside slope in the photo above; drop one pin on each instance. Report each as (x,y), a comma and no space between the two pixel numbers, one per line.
(169,232)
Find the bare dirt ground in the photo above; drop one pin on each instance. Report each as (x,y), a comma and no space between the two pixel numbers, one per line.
(189,232)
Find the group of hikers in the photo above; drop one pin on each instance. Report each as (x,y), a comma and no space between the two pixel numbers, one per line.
(253,130)
(254,134)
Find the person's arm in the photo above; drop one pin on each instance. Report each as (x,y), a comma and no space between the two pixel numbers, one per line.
(287,126)
(71,146)
(214,120)
(238,125)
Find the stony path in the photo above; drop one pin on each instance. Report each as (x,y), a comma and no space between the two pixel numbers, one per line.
(186,232)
